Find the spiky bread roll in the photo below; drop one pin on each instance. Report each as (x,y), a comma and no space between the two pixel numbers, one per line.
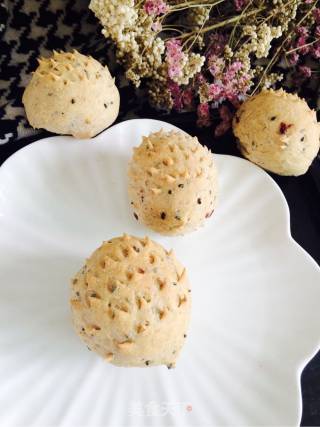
(131,303)
(71,94)
(278,131)
(172,182)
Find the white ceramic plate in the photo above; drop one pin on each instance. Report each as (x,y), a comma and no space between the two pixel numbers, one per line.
(256,295)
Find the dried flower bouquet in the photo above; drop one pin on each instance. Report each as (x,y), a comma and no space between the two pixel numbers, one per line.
(208,55)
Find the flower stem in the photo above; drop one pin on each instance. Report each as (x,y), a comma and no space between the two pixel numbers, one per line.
(222,23)
(189,6)
(301,47)
(190,3)
(278,50)
(237,23)
(172,28)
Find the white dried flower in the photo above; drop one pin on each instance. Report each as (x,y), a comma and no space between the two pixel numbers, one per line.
(271,79)
(228,53)
(116,17)
(192,65)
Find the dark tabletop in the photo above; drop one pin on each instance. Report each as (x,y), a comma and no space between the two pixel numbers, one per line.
(81,31)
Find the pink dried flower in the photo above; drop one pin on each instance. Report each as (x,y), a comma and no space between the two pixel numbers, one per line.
(201,79)
(174,55)
(316,50)
(174,49)
(317,31)
(230,92)
(304,71)
(156,26)
(293,58)
(239,4)
(232,70)
(217,43)
(229,81)
(301,41)
(155,7)
(235,84)
(174,70)
(188,97)
(203,112)
(308,1)
(215,92)
(216,65)
(226,121)
(316,15)
(301,44)
(176,95)
(302,31)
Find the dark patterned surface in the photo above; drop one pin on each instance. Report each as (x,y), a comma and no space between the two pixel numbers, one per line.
(35,27)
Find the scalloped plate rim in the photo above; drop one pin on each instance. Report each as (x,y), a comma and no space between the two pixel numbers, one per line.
(285,208)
